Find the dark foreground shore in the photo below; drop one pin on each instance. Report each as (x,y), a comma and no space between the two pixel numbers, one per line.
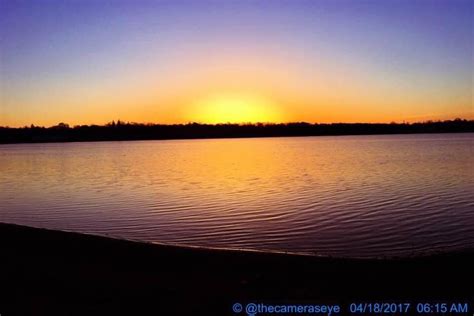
(45,272)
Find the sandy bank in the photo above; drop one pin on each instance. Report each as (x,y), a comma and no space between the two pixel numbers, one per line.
(44,272)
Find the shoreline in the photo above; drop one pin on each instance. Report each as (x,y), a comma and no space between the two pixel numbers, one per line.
(263,252)
(224,137)
(136,131)
(47,272)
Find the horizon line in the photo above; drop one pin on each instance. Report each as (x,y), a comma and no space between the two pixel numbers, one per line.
(120,122)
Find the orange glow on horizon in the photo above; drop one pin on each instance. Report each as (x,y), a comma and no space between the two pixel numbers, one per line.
(234,108)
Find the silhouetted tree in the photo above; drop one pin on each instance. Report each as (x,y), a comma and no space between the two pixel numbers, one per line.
(61,126)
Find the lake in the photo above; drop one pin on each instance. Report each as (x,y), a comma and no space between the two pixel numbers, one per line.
(350,196)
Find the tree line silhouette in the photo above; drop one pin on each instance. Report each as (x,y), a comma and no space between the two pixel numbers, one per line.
(136,131)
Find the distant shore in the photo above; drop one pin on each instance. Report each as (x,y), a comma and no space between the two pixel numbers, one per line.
(119,131)
(45,272)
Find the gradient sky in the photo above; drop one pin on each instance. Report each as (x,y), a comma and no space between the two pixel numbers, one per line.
(84,62)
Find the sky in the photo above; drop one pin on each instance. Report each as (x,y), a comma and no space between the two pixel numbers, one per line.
(91,61)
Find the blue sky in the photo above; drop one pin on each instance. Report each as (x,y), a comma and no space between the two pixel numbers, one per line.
(93,61)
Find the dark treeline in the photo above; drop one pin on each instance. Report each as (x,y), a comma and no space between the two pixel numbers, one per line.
(134,131)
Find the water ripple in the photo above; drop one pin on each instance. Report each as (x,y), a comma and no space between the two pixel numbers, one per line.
(358,196)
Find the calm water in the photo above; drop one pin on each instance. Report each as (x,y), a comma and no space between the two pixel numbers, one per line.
(343,196)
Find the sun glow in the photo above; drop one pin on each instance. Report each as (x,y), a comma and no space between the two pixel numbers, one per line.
(235,108)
